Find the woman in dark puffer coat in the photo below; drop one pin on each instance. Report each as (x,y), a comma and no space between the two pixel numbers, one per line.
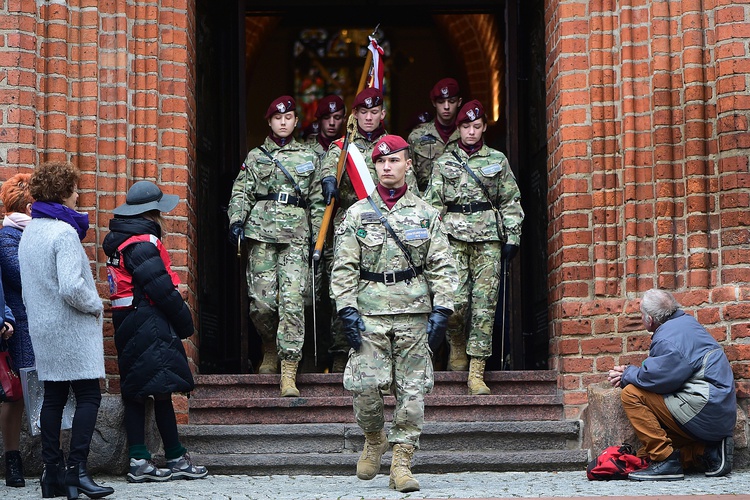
(150,317)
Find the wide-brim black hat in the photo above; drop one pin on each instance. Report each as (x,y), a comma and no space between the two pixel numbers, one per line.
(144,196)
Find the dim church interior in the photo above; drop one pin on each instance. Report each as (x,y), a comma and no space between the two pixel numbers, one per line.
(249,52)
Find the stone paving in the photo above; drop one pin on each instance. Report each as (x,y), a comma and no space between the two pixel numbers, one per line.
(466,485)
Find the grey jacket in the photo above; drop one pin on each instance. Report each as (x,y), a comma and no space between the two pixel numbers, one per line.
(690,369)
(63,306)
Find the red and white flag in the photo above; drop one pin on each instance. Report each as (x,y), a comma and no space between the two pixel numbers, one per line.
(377,65)
(359,174)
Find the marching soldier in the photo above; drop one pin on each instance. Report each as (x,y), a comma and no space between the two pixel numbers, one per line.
(475,190)
(330,124)
(330,113)
(277,204)
(369,113)
(393,282)
(431,139)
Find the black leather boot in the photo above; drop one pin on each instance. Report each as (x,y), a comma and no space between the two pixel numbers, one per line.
(53,481)
(77,480)
(14,469)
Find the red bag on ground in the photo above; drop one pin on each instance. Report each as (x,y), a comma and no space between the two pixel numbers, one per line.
(615,462)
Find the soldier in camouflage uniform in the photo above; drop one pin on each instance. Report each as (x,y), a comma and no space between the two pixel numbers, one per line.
(369,112)
(330,117)
(393,308)
(278,214)
(430,140)
(331,114)
(484,227)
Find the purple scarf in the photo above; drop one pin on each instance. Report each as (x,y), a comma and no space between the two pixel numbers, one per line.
(52,210)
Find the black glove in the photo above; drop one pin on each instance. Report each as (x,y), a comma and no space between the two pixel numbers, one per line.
(509,251)
(330,190)
(236,231)
(437,325)
(352,324)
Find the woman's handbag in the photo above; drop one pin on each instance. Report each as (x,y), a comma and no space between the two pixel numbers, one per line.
(10,383)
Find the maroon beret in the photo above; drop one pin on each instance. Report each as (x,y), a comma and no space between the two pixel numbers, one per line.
(368,98)
(283,104)
(329,105)
(469,112)
(444,89)
(389,144)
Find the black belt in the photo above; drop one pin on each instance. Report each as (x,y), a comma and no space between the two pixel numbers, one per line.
(469,208)
(391,277)
(284,198)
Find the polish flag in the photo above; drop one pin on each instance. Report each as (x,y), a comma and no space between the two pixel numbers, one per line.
(359,174)
(378,69)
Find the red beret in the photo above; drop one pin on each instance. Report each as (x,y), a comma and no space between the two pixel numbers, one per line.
(444,89)
(387,145)
(369,98)
(469,112)
(329,105)
(283,104)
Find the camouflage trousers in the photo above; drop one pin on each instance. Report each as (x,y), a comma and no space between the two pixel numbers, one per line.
(479,267)
(394,353)
(277,275)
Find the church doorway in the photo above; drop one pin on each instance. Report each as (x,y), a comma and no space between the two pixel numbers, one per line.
(249,52)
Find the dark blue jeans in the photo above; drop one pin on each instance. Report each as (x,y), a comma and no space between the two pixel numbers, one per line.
(88,398)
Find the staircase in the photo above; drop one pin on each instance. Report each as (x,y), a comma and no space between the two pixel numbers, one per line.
(239,425)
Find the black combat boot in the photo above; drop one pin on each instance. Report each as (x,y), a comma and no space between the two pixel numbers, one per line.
(14,469)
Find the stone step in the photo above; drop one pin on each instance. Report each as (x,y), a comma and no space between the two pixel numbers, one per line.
(492,408)
(342,464)
(334,448)
(343,437)
(313,385)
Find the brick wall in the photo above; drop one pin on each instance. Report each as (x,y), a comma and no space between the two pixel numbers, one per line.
(648,177)
(108,85)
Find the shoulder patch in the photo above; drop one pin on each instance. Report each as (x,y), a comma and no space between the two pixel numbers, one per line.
(243,166)
(361,233)
(424,223)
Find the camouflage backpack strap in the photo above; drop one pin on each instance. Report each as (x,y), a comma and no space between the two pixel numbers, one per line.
(475,178)
(287,174)
(390,230)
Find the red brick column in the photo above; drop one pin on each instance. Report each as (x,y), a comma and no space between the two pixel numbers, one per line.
(648,177)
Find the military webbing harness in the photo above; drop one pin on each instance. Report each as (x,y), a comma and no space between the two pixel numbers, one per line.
(391,277)
(474,206)
(283,197)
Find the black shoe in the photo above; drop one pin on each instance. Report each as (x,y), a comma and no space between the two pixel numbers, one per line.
(77,480)
(717,458)
(665,470)
(14,469)
(53,481)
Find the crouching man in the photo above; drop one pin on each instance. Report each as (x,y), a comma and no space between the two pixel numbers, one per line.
(681,401)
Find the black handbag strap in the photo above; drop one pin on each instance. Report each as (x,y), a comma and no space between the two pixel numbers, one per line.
(286,173)
(476,179)
(388,228)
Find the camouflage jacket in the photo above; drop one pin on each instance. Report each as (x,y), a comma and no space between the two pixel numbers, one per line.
(312,143)
(426,146)
(346,191)
(451,185)
(363,243)
(272,221)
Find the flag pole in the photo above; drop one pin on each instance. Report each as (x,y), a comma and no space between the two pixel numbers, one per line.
(350,129)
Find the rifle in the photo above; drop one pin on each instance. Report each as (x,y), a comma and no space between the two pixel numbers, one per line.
(350,129)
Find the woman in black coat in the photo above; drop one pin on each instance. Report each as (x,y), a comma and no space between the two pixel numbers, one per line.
(150,319)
